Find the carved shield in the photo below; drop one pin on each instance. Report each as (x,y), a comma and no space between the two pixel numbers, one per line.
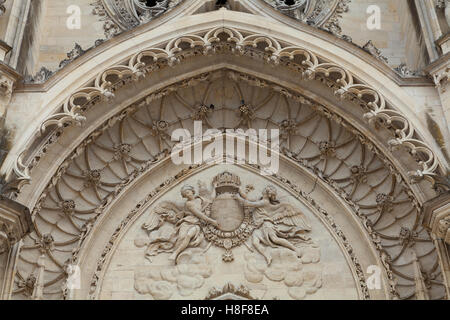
(227,212)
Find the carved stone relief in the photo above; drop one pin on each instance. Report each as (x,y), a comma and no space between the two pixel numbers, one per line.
(139,137)
(320,13)
(277,260)
(120,15)
(226,218)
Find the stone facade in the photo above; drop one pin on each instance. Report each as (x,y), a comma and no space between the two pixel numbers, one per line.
(94,205)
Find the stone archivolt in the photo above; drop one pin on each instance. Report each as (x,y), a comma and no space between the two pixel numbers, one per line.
(95,174)
(307,63)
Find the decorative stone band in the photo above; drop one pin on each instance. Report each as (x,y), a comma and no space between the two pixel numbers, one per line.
(312,67)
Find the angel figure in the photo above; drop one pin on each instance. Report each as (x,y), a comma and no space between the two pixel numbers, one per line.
(187,219)
(276,223)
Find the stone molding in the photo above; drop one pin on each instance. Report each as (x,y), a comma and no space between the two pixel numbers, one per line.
(15,223)
(384,202)
(255,6)
(380,112)
(437,217)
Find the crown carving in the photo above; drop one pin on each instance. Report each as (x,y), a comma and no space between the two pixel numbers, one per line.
(226,182)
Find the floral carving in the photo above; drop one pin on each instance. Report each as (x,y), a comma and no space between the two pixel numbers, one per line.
(92,178)
(327,149)
(68,207)
(374,51)
(384,202)
(122,152)
(359,174)
(76,52)
(201,112)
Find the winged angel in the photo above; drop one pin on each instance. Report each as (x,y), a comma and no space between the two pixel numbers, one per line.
(174,227)
(275,223)
(186,219)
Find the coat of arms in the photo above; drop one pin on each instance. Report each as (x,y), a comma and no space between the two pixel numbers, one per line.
(225,217)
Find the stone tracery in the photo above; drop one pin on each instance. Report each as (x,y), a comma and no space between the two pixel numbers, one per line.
(353,168)
(308,64)
(319,13)
(121,15)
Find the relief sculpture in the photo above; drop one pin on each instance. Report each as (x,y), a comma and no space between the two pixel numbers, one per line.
(274,233)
